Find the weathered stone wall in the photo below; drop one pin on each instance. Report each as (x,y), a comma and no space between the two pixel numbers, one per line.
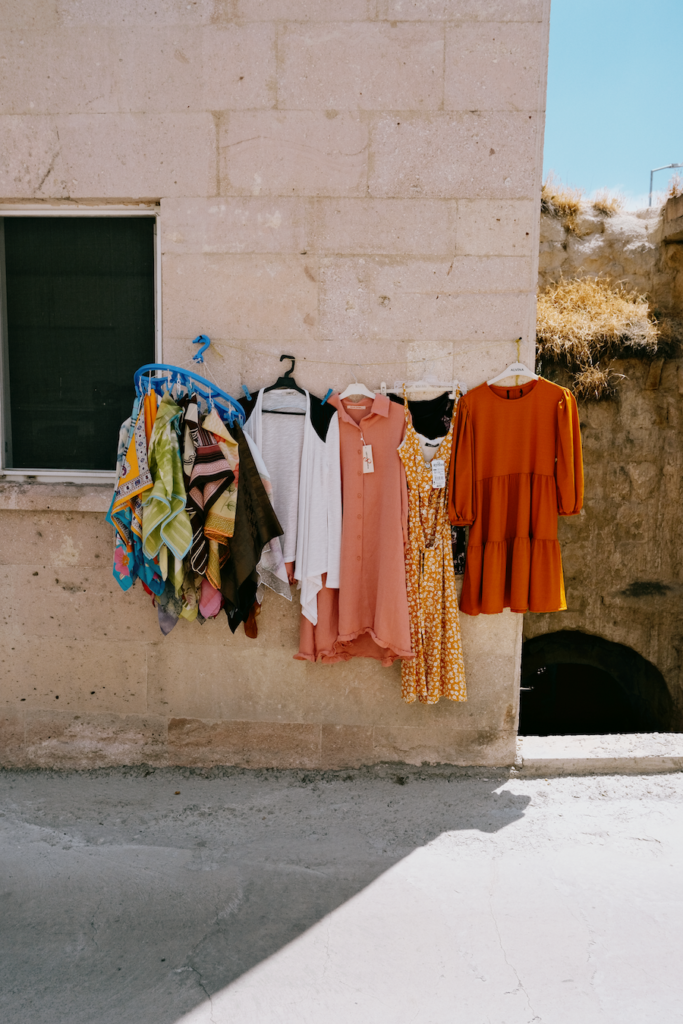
(641,249)
(354,183)
(624,246)
(623,556)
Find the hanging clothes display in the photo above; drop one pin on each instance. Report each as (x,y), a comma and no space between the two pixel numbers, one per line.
(517,465)
(298,438)
(362,499)
(438,669)
(367,616)
(432,420)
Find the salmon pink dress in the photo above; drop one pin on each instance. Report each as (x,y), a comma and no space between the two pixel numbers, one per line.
(517,465)
(368,615)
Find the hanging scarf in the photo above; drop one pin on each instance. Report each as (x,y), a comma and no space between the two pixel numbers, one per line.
(211,478)
(199,551)
(220,520)
(165,519)
(135,477)
(125,510)
(255,524)
(219,524)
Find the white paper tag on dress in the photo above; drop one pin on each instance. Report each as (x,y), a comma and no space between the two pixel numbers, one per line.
(368,464)
(438,473)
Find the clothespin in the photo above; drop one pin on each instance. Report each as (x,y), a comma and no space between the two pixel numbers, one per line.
(383,388)
(326,396)
(246,392)
(204,341)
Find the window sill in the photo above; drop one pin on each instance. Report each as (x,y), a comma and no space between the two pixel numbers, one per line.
(40,493)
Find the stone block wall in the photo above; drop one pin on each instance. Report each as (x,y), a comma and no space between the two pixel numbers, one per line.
(355,183)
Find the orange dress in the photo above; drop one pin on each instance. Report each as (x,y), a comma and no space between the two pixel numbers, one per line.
(516,466)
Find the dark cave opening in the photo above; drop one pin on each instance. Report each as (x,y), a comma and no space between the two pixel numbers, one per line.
(575,684)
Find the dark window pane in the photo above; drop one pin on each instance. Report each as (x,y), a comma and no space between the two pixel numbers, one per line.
(80,313)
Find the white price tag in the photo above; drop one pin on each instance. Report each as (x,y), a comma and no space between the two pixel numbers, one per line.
(368,464)
(438,473)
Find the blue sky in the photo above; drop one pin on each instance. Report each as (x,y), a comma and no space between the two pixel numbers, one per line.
(615,104)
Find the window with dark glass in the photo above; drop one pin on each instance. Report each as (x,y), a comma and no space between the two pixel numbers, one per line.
(78,321)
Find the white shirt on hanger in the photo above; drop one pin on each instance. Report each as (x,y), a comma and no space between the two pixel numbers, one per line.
(304,467)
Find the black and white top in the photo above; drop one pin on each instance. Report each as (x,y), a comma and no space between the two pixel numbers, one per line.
(301,453)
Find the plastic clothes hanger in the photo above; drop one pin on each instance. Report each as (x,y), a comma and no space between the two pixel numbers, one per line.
(285,382)
(357,389)
(515,370)
(427,384)
(227,406)
(204,341)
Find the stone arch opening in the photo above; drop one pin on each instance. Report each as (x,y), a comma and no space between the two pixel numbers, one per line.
(577,684)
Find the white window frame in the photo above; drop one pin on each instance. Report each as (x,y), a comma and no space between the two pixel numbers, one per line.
(73,476)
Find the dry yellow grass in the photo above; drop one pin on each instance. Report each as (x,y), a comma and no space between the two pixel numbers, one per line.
(596,382)
(675,186)
(561,201)
(607,203)
(581,322)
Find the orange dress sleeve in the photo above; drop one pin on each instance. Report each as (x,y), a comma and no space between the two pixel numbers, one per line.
(462,509)
(569,465)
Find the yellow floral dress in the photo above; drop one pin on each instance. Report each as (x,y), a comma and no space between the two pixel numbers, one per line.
(438,669)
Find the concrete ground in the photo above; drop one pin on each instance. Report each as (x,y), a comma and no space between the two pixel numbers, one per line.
(381,896)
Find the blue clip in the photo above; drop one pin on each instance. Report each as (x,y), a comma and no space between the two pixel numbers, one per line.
(204,341)
(246,392)
(326,396)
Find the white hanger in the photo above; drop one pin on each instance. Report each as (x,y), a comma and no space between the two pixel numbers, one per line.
(514,370)
(517,369)
(426,384)
(357,389)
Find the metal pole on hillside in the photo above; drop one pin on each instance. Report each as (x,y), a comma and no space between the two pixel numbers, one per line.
(666,167)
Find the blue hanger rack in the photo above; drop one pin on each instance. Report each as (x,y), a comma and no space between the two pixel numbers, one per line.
(228,407)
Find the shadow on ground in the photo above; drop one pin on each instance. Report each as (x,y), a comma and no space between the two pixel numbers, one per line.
(124,901)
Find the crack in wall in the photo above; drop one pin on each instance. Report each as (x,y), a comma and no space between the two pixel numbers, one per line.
(51,165)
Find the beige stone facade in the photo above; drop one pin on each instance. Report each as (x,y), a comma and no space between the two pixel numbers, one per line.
(355,183)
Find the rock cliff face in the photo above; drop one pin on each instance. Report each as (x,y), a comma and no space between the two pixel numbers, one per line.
(623,557)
